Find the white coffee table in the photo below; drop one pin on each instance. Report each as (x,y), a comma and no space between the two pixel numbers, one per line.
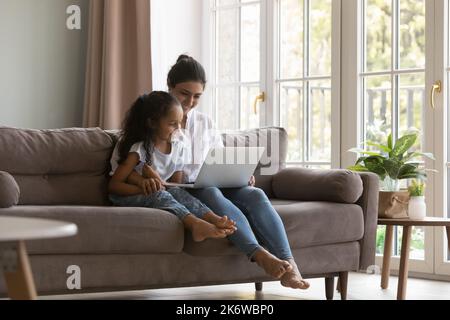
(14,231)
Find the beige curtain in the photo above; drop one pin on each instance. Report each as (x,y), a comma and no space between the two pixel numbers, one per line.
(118,60)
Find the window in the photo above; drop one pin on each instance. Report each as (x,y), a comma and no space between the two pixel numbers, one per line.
(393,81)
(237,63)
(283,50)
(304,79)
(387,67)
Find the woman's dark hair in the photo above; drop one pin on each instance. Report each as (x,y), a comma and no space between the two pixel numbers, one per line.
(186,69)
(136,127)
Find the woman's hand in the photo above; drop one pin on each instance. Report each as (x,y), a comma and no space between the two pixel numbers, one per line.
(148,172)
(151,185)
(252,181)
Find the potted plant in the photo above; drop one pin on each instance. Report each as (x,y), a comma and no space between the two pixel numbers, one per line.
(392,162)
(417,208)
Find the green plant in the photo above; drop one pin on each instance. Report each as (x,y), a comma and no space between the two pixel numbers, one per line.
(417,188)
(393,160)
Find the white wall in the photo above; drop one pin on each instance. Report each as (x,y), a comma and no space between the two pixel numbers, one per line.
(176,29)
(42,64)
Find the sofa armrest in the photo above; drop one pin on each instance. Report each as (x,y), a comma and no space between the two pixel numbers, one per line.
(339,185)
(369,204)
(9,190)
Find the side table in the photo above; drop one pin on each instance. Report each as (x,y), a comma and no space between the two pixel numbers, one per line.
(407,225)
(13,254)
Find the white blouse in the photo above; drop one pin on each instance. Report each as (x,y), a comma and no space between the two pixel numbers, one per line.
(201,136)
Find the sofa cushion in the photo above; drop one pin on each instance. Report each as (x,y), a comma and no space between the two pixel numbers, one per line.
(106,230)
(334,185)
(274,140)
(307,224)
(9,190)
(57,166)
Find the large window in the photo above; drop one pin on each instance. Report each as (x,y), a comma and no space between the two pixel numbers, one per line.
(280,51)
(393,80)
(237,63)
(304,79)
(337,73)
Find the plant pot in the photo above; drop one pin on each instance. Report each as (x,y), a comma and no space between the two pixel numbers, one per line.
(393,204)
(417,208)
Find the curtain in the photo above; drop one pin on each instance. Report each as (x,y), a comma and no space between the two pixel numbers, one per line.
(118,60)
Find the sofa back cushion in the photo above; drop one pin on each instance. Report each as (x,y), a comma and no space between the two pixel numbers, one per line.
(70,166)
(57,166)
(274,140)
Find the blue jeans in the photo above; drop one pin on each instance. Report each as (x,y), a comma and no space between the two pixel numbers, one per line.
(175,200)
(254,215)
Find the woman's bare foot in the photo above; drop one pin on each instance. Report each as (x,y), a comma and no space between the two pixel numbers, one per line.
(293,278)
(221,222)
(202,230)
(272,265)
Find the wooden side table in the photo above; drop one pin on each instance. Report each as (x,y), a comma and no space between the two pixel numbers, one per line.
(13,254)
(407,225)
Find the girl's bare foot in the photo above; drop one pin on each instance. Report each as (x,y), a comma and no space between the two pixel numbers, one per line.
(293,278)
(202,230)
(221,222)
(272,265)
(225,223)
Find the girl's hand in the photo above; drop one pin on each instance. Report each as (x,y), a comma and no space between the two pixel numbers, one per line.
(252,181)
(150,186)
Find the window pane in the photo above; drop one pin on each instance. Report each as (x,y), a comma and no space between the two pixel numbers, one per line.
(291,117)
(250,47)
(320,37)
(249,119)
(381,234)
(417,243)
(378,34)
(411,104)
(412,33)
(226,2)
(320,120)
(377,108)
(417,247)
(227,108)
(291,39)
(227,45)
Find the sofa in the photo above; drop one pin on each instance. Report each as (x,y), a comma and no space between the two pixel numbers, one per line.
(330,217)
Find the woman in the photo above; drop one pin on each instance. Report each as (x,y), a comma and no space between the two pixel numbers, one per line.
(249,207)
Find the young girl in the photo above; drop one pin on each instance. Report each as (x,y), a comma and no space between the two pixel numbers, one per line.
(147,146)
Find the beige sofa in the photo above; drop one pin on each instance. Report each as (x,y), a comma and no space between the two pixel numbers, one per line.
(329,215)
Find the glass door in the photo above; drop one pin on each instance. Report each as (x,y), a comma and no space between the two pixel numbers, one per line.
(441,57)
(307,47)
(239,67)
(393,95)
(388,66)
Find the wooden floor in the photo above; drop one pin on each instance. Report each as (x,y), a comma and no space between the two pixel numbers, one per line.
(360,287)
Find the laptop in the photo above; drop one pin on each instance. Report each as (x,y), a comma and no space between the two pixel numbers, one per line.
(226,167)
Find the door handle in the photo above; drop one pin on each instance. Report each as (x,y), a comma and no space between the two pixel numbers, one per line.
(261,97)
(437,87)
